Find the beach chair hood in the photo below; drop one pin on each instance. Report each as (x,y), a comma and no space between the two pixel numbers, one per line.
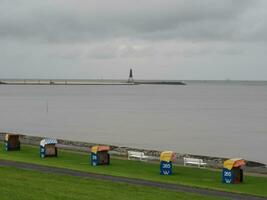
(167,156)
(47,141)
(234,162)
(97,148)
(7,136)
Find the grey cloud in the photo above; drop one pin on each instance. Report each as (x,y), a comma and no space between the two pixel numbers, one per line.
(119,49)
(73,38)
(77,21)
(137,51)
(102,51)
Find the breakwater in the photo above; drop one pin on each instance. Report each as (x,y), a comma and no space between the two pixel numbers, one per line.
(212,162)
(83,82)
(160,82)
(61,82)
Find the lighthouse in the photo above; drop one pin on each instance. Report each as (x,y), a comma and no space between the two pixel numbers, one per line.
(130,79)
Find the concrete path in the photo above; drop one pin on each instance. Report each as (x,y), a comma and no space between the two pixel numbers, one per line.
(167,186)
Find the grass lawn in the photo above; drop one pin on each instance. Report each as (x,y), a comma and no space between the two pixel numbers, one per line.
(136,169)
(19,184)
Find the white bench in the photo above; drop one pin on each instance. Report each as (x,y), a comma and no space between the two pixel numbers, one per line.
(194,161)
(137,155)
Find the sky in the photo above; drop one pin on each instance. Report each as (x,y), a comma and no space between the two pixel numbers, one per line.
(158,39)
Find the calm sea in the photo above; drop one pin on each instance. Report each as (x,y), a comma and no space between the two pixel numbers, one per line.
(226,119)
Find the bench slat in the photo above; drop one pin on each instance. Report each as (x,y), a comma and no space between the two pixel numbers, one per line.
(136,154)
(194,161)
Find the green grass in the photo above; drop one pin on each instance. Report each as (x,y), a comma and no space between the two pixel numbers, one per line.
(19,184)
(134,169)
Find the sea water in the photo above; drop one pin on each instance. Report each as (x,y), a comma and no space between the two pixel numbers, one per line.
(227,119)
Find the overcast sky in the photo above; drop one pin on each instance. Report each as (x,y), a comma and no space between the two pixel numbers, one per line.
(159,39)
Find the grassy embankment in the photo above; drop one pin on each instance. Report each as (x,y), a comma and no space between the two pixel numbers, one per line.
(134,169)
(23,184)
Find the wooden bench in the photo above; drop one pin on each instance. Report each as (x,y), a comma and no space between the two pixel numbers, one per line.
(194,161)
(137,155)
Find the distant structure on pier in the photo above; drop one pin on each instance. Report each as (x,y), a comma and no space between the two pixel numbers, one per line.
(130,79)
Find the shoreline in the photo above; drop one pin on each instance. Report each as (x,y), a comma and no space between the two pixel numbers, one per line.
(121,151)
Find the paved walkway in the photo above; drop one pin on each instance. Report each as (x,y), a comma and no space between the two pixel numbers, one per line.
(167,186)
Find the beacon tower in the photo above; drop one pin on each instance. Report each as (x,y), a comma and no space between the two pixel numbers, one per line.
(130,79)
